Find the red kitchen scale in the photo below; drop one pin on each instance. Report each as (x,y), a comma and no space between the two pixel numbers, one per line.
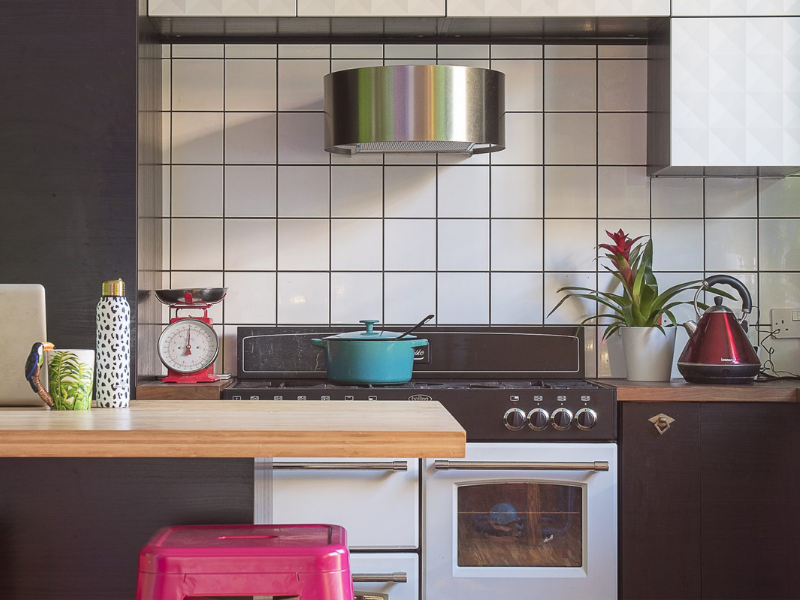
(188,346)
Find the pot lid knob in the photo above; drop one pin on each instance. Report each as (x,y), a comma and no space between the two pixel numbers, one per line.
(370,324)
(718,307)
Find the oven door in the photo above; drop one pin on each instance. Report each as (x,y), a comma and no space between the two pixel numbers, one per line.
(534,521)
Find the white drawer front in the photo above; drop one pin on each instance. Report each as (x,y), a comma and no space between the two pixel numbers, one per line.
(378,508)
(384,564)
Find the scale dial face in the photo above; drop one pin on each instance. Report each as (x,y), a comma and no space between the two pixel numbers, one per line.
(188,346)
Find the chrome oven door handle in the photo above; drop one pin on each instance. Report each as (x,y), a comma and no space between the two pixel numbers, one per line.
(390,465)
(397,577)
(481,465)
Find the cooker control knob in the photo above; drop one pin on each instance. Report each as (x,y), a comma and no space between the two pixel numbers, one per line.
(514,419)
(586,418)
(538,419)
(561,419)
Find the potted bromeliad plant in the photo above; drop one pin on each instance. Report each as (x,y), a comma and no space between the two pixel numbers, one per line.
(643,316)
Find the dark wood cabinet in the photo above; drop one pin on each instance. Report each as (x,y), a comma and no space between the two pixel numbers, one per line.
(706,507)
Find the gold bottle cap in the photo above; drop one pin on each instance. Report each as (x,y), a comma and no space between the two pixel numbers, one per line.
(113,287)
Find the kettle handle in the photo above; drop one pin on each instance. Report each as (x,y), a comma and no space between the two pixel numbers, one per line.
(744,293)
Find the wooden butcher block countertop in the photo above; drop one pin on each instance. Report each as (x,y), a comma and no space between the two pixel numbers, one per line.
(241,429)
(679,390)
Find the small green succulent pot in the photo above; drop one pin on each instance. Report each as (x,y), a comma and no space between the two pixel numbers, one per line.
(70,376)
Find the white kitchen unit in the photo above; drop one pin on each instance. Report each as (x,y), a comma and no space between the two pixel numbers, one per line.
(735,8)
(371,8)
(222,8)
(396,575)
(557,8)
(724,97)
(375,500)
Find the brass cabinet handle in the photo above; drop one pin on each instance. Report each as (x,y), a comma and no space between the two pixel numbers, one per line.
(661,422)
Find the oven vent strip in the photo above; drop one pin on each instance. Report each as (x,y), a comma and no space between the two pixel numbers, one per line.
(477,465)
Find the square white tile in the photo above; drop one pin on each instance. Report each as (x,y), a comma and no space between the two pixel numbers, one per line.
(633,227)
(462,298)
(500,51)
(201,279)
(570,244)
(445,158)
(300,84)
(408,159)
(574,310)
(251,51)
(198,51)
(250,191)
(517,298)
(409,245)
(570,51)
(250,138)
(622,85)
(197,138)
(410,191)
(728,197)
(677,244)
(778,290)
(250,245)
(779,244)
(343,64)
(357,51)
(197,244)
(166,138)
(570,139)
(571,85)
(731,244)
(463,191)
(251,298)
(570,192)
(304,51)
(301,139)
(524,84)
(612,51)
(303,191)
(517,245)
(675,197)
(197,84)
(517,192)
(463,244)
(463,51)
(196,191)
(623,192)
(251,85)
(356,244)
(356,296)
(303,244)
(166,84)
(303,298)
(410,51)
(407,296)
(166,191)
(779,197)
(524,140)
(622,139)
(356,191)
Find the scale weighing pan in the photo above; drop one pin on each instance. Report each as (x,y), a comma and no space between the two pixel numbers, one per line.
(199,295)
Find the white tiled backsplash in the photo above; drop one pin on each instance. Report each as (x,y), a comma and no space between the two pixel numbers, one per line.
(254,203)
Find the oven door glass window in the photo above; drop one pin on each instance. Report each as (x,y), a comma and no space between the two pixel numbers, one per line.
(520,524)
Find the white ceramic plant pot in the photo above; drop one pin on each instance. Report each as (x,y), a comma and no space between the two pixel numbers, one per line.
(648,353)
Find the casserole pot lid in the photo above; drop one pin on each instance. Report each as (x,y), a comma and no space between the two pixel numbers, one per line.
(369,334)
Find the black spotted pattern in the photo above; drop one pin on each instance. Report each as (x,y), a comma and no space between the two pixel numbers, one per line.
(113,372)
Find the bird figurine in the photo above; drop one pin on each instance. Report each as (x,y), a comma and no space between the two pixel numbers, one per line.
(32,367)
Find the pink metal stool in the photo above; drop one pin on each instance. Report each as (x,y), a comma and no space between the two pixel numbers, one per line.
(309,561)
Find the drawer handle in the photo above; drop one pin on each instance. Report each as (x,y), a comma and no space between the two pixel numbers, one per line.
(397,577)
(479,465)
(661,422)
(391,465)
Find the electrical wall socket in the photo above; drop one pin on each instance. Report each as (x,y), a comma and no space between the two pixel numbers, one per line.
(785,322)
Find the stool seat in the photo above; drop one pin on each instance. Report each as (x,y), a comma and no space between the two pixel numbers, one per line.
(309,561)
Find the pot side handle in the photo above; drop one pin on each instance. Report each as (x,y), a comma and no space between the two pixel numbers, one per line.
(317,342)
(419,342)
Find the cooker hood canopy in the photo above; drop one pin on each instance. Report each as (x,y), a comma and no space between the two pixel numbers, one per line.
(415,108)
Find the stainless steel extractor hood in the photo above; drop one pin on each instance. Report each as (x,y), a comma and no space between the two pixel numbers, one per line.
(415,108)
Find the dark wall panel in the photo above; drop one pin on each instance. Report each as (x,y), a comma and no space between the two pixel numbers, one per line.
(68,154)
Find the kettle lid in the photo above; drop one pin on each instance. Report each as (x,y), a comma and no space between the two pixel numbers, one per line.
(718,307)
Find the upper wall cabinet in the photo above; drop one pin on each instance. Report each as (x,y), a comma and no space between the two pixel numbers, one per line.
(222,8)
(724,97)
(735,8)
(371,8)
(558,8)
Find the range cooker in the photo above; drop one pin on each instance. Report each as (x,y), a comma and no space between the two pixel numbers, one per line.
(531,512)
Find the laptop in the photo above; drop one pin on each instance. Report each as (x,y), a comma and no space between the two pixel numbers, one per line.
(22,322)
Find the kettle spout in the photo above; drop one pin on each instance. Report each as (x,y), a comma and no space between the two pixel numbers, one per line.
(690,327)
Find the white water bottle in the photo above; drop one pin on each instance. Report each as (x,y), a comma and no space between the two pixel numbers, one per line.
(113,370)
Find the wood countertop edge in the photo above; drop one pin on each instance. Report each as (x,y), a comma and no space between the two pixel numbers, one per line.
(679,390)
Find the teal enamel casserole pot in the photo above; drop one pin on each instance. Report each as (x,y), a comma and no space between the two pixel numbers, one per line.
(369,357)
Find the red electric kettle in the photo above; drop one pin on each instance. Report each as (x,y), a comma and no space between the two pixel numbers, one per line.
(718,350)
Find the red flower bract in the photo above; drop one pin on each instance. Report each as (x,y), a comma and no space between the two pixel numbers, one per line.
(622,244)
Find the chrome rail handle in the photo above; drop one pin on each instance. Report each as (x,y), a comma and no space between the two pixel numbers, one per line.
(480,465)
(392,465)
(397,577)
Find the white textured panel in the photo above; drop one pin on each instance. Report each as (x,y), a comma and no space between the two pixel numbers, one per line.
(562,8)
(735,90)
(216,8)
(735,8)
(368,8)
